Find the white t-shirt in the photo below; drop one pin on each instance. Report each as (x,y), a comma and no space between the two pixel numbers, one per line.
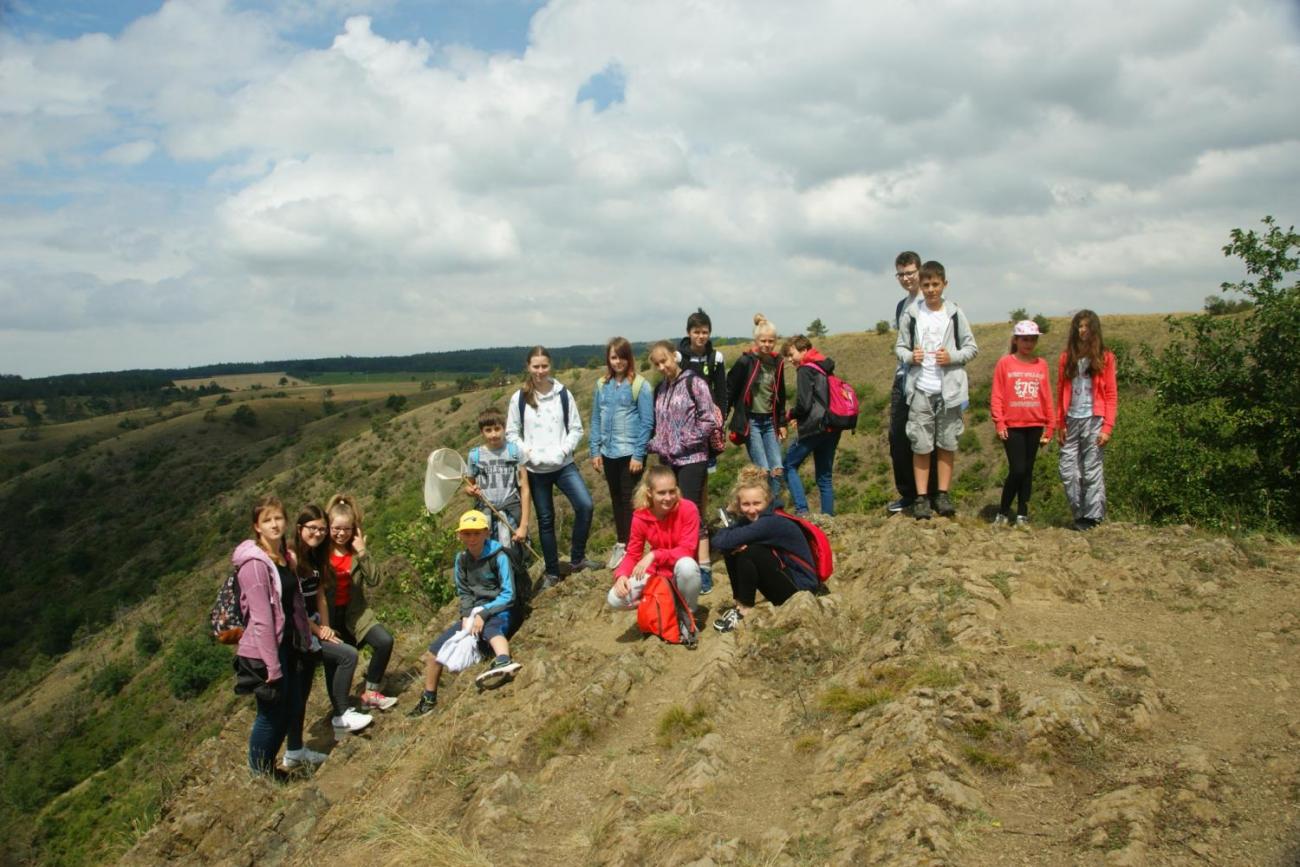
(1081,392)
(930,328)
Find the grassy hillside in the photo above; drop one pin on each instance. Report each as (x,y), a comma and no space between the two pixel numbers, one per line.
(121,526)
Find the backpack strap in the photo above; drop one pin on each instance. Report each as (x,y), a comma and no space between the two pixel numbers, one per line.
(638,384)
(512,449)
(564,408)
(473,456)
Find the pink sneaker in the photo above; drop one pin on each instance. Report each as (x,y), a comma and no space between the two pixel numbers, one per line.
(373,698)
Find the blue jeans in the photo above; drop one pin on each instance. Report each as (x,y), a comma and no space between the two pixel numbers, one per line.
(765,449)
(822,447)
(273,717)
(570,483)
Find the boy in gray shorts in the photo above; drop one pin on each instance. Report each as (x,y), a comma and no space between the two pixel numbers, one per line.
(934,343)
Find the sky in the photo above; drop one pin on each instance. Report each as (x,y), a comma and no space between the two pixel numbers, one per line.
(201,181)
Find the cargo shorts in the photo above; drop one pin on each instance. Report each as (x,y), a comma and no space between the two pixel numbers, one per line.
(932,425)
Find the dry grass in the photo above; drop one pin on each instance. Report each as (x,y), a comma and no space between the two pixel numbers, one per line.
(242,381)
(678,724)
(393,839)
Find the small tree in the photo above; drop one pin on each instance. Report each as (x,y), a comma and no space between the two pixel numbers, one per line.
(1245,369)
(244,416)
(284,380)
(1018,314)
(816,328)
(1044,326)
(882,327)
(396,402)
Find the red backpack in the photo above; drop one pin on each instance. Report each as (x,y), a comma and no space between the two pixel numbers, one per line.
(664,612)
(842,407)
(823,563)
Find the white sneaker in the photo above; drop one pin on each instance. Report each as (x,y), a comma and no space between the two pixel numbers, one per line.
(616,555)
(304,756)
(351,722)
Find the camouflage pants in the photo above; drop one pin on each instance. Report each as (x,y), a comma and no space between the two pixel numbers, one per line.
(1081,468)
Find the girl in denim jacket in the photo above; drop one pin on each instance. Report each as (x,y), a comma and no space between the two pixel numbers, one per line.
(622,419)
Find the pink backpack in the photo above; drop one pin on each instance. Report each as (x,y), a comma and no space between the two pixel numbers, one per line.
(842,408)
(823,563)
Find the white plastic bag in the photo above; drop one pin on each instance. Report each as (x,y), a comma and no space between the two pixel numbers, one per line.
(461,650)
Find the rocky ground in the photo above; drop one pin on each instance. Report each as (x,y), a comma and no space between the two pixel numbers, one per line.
(964,695)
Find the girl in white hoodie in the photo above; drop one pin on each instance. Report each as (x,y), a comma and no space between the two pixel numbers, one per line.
(543,418)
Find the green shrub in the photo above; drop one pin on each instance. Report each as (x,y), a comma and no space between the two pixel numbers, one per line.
(882,327)
(148,640)
(1229,400)
(244,416)
(111,678)
(1188,464)
(193,663)
(429,550)
(1042,322)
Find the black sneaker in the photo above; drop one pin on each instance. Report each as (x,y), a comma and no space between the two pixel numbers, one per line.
(943,505)
(729,620)
(902,504)
(499,670)
(425,707)
(921,509)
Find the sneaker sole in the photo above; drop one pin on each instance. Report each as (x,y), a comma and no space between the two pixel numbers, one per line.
(386,704)
(492,675)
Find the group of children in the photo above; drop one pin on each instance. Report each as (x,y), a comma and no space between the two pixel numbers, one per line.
(930,395)
(304,601)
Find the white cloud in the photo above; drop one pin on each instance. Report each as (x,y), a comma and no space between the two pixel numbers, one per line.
(764,156)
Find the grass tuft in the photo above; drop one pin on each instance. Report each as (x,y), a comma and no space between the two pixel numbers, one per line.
(568,730)
(678,724)
(851,700)
(988,760)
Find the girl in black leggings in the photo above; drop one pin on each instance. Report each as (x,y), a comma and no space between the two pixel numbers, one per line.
(1021,406)
(764,552)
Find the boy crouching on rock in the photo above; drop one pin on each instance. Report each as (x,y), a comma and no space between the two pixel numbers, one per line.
(485,585)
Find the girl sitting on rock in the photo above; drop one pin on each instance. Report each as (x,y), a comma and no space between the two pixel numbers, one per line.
(763,551)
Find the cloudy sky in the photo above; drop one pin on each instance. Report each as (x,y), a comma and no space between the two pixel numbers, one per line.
(202,181)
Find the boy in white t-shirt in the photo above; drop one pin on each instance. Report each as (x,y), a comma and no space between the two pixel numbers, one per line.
(934,342)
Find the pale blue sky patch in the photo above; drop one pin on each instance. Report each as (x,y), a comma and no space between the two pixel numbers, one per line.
(605,87)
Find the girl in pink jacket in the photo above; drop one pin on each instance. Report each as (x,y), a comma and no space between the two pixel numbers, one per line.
(1086,402)
(268,662)
(663,541)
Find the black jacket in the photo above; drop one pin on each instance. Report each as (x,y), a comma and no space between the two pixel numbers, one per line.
(740,392)
(812,396)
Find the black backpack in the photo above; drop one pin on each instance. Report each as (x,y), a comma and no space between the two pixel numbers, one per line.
(522,607)
(564,409)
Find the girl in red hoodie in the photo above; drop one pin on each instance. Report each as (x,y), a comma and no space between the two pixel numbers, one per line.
(1021,406)
(1086,402)
(664,538)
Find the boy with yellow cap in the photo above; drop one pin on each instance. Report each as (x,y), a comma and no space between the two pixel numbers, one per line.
(485,586)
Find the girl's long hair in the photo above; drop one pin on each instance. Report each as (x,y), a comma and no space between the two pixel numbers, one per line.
(1093,349)
(260,505)
(527,388)
(664,346)
(307,559)
(344,505)
(620,347)
(641,497)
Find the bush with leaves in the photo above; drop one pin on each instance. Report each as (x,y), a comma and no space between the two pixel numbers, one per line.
(882,327)
(429,550)
(148,640)
(1018,314)
(110,679)
(1044,325)
(816,328)
(1228,389)
(193,663)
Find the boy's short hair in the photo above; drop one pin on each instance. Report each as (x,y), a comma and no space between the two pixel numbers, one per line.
(933,269)
(698,319)
(491,417)
(907,257)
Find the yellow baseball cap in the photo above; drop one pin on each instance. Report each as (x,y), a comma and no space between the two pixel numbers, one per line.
(472,520)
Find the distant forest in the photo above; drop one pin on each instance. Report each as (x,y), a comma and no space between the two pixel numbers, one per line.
(466,361)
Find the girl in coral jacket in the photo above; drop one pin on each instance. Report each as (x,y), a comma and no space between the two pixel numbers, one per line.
(663,541)
(268,661)
(1021,406)
(1086,402)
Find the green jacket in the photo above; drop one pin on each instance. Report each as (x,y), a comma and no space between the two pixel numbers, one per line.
(365,573)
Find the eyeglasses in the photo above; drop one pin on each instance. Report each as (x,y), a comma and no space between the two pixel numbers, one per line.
(340,529)
(312,528)
(905,275)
